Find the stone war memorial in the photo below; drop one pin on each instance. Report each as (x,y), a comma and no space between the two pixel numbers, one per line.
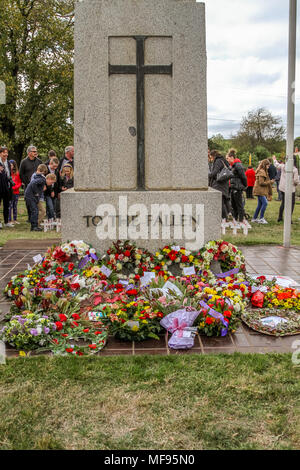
(141,170)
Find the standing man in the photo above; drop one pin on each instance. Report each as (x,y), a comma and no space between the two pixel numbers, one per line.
(28,167)
(68,158)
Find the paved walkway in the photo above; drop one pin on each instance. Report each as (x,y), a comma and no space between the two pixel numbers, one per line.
(259,260)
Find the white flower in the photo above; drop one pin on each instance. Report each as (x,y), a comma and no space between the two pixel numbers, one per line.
(39,330)
(237,307)
(126,259)
(119,266)
(177,260)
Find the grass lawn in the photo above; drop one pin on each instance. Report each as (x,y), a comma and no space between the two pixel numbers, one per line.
(23,230)
(150,402)
(266,234)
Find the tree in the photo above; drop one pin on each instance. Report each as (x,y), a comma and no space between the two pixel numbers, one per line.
(36,65)
(260,128)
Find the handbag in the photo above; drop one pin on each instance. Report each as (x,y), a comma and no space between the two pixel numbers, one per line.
(224,175)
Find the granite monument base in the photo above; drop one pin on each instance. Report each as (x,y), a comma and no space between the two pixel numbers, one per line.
(151,219)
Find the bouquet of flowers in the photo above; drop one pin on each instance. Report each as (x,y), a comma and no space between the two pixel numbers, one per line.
(29,331)
(217,317)
(134,321)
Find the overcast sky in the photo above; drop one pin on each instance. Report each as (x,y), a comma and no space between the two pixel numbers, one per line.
(247,52)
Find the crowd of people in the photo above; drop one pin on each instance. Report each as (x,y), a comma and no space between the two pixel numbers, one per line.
(43,184)
(228,175)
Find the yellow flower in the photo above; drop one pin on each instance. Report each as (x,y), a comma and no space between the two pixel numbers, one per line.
(144,321)
(191,258)
(135,328)
(22,354)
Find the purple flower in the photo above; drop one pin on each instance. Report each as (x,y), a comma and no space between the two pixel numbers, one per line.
(46,330)
(33,332)
(45,316)
(54,326)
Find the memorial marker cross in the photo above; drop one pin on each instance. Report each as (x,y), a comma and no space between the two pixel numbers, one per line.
(140,69)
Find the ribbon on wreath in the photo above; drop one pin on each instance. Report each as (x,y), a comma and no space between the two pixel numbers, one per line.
(86,259)
(228,273)
(217,315)
(178,327)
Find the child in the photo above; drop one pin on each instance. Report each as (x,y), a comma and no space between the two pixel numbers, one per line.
(67,177)
(51,193)
(13,204)
(33,194)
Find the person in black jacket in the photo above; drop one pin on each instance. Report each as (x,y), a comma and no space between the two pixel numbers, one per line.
(27,168)
(238,184)
(219,163)
(33,194)
(272,170)
(6,185)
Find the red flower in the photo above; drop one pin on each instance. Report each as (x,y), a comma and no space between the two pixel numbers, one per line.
(227,313)
(69,350)
(184,259)
(59,271)
(172,256)
(137,277)
(63,317)
(132,292)
(116,256)
(64,335)
(75,286)
(98,332)
(71,267)
(160,315)
(73,324)
(209,320)
(86,330)
(92,346)
(55,341)
(79,353)
(75,316)
(127,253)
(59,325)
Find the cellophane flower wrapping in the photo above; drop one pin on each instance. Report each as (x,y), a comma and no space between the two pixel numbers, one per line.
(176,322)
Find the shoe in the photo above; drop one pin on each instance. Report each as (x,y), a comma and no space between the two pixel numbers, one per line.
(280,220)
(9,224)
(16,222)
(262,221)
(254,220)
(36,229)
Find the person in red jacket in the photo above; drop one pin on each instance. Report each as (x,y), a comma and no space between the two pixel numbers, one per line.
(250,173)
(13,205)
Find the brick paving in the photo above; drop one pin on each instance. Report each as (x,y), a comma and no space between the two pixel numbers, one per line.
(274,260)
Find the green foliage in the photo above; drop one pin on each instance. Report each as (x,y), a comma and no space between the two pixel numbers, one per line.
(36,65)
(260,128)
(217,142)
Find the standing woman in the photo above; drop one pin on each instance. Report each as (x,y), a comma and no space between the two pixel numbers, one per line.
(282,182)
(5,185)
(263,190)
(219,163)
(13,204)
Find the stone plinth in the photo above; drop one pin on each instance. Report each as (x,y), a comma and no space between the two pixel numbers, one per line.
(88,208)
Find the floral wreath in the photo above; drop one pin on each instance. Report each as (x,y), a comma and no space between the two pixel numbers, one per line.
(124,255)
(174,256)
(253,318)
(227,254)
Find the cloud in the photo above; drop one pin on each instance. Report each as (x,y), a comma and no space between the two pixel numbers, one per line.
(247,50)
